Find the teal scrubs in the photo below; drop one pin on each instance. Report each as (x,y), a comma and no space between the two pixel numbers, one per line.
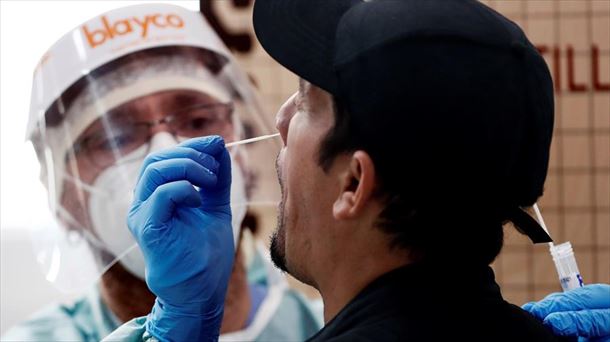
(87,319)
(282,315)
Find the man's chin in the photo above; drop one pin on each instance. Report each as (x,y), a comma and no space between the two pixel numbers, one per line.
(277,251)
(277,248)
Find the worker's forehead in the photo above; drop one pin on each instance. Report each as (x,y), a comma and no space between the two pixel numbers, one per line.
(172,99)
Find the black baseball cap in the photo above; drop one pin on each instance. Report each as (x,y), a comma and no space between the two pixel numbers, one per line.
(442,71)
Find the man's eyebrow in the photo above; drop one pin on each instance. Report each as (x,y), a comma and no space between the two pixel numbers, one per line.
(189,99)
(300,95)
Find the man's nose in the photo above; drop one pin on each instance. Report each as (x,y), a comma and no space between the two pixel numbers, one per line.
(283,117)
(162,140)
(160,126)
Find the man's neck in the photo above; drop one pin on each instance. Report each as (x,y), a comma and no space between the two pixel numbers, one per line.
(237,302)
(126,295)
(351,275)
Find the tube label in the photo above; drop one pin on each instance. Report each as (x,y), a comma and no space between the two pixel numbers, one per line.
(571,282)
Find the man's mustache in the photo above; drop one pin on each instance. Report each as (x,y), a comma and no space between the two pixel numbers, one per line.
(278,171)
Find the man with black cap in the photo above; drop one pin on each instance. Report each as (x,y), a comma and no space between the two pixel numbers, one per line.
(419,129)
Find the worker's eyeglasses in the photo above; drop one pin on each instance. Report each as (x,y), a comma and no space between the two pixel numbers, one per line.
(122,135)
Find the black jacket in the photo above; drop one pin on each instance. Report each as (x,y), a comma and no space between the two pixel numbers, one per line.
(427,302)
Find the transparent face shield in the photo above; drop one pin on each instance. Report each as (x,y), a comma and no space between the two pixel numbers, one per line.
(94,139)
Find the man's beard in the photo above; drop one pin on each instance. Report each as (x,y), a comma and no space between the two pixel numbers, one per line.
(277,248)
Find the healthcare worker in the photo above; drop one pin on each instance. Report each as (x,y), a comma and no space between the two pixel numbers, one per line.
(419,128)
(126,83)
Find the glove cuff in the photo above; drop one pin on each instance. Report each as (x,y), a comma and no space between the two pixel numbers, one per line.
(167,322)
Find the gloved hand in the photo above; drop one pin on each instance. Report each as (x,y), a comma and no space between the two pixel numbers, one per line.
(582,312)
(186,237)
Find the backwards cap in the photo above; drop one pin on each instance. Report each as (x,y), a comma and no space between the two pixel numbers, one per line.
(455,85)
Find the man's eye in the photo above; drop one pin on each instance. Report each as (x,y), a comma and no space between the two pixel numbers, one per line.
(198,123)
(118,141)
(298,102)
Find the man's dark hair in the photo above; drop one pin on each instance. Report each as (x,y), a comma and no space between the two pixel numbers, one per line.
(401,217)
(450,162)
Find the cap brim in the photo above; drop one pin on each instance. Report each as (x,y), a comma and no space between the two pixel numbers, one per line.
(525,224)
(299,34)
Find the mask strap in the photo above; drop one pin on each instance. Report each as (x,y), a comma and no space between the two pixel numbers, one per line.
(90,189)
(65,214)
(118,258)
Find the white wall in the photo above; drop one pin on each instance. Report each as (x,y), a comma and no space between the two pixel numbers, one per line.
(27,30)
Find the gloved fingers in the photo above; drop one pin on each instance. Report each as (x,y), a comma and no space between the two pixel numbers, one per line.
(171,170)
(219,195)
(588,323)
(203,159)
(212,144)
(547,305)
(528,306)
(170,196)
(215,146)
(160,207)
(595,296)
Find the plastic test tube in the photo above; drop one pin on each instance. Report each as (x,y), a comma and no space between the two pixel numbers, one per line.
(567,269)
(564,259)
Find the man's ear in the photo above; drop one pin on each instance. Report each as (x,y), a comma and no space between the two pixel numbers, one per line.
(357,184)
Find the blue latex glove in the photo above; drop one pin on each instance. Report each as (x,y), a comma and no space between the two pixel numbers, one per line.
(186,237)
(582,312)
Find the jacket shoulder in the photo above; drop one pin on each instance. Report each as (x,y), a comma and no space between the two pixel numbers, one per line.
(53,323)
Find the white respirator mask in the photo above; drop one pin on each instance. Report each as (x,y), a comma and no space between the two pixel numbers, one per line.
(111,196)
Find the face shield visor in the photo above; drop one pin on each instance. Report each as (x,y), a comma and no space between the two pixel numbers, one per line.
(104,97)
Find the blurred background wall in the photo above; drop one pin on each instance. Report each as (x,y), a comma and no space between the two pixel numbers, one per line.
(574,36)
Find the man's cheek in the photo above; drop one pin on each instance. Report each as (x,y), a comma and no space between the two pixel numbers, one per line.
(76,206)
